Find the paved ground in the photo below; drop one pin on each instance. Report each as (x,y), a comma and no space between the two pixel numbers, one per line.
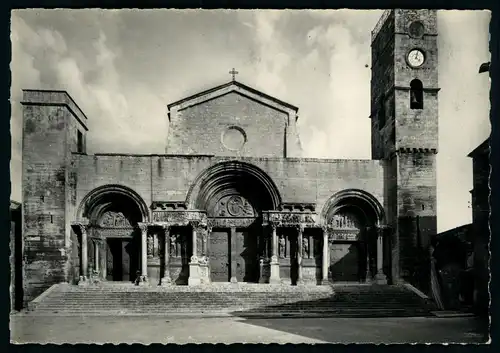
(156,329)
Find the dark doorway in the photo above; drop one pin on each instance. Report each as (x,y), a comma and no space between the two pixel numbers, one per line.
(346,262)
(247,260)
(122,259)
(220,248)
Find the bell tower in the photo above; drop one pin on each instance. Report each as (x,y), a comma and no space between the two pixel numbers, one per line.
(404,121)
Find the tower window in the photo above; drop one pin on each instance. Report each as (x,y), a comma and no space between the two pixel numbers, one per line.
(416,94)
(80,142)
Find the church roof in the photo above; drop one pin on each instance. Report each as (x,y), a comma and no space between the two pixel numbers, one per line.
(231,86)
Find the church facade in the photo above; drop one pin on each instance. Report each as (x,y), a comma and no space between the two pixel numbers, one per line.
(232,200)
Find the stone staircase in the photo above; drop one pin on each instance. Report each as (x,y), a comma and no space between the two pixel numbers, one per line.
(245,300)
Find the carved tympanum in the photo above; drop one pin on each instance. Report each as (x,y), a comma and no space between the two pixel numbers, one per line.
(345,221)
(234,206)
(114,219)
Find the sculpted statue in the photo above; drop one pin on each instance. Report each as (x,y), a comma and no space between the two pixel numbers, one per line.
(173,245)
(281,249)
(150,245)
(305,247)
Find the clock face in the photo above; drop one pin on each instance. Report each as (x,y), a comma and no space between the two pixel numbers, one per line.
(416,58)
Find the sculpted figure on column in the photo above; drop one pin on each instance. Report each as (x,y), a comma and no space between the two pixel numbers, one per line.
(282,244)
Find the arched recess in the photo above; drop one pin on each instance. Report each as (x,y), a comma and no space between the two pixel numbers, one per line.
(361,203)
(231,178)
(113,198)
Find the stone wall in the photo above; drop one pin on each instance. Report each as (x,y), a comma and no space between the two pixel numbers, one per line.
(199,129)
(50,119)
(169,178)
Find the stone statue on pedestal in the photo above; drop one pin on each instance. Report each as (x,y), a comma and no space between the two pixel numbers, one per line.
(281,250)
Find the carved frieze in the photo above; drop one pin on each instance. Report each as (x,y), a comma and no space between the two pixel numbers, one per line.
(223,222)
(168,206)
(289,219)
(178,218)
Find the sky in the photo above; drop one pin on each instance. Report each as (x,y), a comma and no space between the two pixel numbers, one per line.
(123,67)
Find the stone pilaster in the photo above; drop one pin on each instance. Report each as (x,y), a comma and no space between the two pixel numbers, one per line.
(234,248)
(84,253)
(380,277)
(326,257)
(143,278)
(194,265)
(204,260)
(300,245)
(274,277)
(166,280)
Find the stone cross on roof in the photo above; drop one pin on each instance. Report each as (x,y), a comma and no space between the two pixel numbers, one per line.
(233,72)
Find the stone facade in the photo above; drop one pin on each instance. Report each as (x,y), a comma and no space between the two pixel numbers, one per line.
(232,200)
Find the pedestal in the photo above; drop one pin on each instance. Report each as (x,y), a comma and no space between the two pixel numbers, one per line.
(194,272)
(265,271)
(274,277)
(380,278)
(204,272)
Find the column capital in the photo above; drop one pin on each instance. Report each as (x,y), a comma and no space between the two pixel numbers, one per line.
(300,227)
(273,225)
(97,241)
(143,226)
(198,224)
(82,226)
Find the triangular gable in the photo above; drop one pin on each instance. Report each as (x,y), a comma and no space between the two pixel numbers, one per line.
(233,86)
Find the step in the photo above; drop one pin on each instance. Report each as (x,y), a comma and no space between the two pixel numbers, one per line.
(229,299)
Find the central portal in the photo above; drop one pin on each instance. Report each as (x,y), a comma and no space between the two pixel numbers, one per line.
(245,258)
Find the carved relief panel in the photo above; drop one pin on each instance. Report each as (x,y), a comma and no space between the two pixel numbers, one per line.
(345,226)
(233,206)
(112,219)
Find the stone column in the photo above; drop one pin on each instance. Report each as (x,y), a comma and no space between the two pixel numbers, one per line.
(233,255)
(96,254)
(274,277)
(368,237)
(84,254)
(166,279)
(194,267)
(204,268)
(300,231)
(143,279)
(380,277)
(325,258)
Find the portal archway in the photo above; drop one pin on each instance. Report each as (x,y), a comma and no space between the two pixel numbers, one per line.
(234,194)
(112,214)
(352,217)
(234,177)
